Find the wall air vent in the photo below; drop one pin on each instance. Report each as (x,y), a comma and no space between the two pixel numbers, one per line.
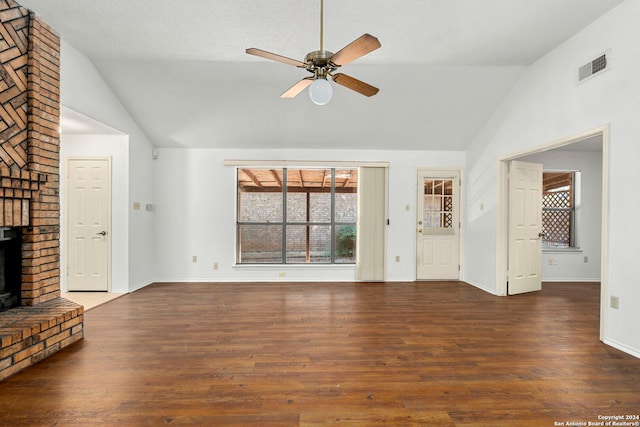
(594,67)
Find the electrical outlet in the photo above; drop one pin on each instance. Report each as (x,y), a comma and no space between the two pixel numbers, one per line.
(215,265)
(397,258)
(550,261)
(586,259)
(555,261)
(194,258)
(615,302)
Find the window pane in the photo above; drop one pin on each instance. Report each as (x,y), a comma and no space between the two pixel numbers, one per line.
(301,180)
(308,195)
(447,221)
(346,244)
(556,227)
(296,207)
(557,209)
(315,238)
(260,207)
(428,186)
(320,204)
(447,187)
(346,206)
(260,243)
(438,203)
(432,220)
(346,180)
(259,195)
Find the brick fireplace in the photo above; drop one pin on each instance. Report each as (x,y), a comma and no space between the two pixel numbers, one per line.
(42,323)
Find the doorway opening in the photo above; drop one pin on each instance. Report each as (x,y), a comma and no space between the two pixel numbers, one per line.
(595,140)
(83,137)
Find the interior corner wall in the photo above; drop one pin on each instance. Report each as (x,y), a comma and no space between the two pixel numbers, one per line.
(115,147)
(195,213)
(548,105)
(85,91)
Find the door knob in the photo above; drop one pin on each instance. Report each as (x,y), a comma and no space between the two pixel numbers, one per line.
(419,230)
(102,233)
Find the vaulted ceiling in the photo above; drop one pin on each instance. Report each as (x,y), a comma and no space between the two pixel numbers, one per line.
(181,70)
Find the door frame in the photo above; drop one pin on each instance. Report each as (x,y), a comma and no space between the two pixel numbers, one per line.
(502,212)
(440,172)
(67,161)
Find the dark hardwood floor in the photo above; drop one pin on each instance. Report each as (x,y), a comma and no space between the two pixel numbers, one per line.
(316,354)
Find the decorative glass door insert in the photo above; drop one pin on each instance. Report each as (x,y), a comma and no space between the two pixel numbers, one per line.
(437,215)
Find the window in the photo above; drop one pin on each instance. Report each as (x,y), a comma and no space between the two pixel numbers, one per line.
(438,205)
(296,216)
(558,210)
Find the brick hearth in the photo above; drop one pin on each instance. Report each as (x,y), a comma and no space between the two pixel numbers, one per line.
(29,188)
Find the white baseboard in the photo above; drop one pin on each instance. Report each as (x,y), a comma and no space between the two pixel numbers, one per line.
(140,286)
(632,351)
(481,287)
(249,280)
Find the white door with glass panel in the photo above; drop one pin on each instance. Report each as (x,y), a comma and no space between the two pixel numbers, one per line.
(88,224)
(438,226)
(525,227)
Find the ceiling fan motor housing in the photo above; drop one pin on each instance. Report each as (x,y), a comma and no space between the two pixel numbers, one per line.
(319,63)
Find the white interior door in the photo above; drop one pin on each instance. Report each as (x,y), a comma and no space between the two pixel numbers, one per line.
(89,221)
(525,227)
(438,226)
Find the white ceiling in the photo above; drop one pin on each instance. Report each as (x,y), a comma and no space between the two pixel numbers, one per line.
(181,70)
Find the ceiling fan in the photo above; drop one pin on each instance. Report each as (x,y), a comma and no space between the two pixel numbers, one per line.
(322,64)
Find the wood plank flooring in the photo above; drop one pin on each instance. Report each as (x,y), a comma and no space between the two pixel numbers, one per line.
(318,354)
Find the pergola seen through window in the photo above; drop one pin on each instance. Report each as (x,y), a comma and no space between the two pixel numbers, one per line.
(296,215)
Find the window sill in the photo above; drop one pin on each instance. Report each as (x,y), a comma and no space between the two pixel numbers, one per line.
(561,250)
(296,266)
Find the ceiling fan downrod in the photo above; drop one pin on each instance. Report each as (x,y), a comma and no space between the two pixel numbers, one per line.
(319,61)
(321,25)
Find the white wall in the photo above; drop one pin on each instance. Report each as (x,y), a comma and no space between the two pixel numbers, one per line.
(547,105)
(117,148)
(195,213)
(84,90)
(570,265)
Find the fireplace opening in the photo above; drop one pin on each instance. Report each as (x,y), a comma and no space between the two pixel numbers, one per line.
(10,267)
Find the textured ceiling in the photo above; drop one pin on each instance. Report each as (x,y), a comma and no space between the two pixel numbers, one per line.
(180,68)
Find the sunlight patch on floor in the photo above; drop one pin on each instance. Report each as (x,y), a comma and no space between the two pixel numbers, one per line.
(90,299)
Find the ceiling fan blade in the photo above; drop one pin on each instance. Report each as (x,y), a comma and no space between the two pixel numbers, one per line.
(297,88)
(275,57)
(355,84)
(359,47)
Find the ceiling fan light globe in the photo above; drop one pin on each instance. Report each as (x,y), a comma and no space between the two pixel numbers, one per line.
(320,92)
